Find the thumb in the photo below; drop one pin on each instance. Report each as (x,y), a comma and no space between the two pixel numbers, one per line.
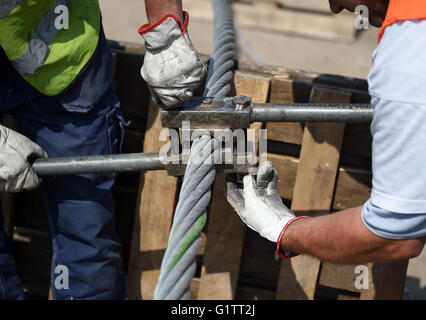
(264,176)
(34,150)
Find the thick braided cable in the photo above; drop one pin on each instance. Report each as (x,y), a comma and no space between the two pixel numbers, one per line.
(179,261)
(178,265)
(223,51)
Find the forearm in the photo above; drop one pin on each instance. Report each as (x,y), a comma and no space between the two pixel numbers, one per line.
(343,238)
(156,9)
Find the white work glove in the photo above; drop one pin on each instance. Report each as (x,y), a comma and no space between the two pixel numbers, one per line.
(260,206)
(16,173)
(172,67)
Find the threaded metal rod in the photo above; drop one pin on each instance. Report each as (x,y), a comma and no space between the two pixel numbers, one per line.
(99,164)
(311,112)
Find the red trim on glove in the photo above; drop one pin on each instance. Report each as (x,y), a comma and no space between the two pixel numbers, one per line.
(147,27)
(280,253)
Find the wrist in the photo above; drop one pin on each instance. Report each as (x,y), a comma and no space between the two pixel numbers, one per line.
(155,9)
(282,252)
(182,21)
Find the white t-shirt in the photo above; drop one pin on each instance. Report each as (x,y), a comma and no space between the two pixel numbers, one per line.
(397,84)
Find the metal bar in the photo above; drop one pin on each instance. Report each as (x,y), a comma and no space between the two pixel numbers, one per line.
(239,112)
(311,112)
(99,164)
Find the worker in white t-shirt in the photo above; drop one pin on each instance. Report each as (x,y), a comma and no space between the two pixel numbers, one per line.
(391,225)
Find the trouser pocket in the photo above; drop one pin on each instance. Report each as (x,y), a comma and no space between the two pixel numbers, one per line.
(115,125)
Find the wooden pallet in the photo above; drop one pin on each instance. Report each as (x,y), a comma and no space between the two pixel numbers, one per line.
(233,262)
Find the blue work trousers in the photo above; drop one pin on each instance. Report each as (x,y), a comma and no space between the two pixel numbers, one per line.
(86,120)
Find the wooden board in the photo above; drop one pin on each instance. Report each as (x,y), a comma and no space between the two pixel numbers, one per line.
(386,281)
(353,185)
(338,276)
(282,91)
(225,234)
(313,192)
(153,219)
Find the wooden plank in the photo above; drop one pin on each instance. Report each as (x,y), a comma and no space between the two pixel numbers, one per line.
(338,276)
(329,293)
(259,265)
(153,219)
(313,192)
(287,168)
(254,293)
(283,91)
(353,186)
(386,281)
(225,235)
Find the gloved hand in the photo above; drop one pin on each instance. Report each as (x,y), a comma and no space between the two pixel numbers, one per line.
(172,67)
(16,173)
(259,205)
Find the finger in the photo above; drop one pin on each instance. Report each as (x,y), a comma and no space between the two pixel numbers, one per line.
(26,180)
(32,181)
(171,98)
(272,189)
(37,151)
(249,188)
(27,148)
(4,178)
(233,193)
(264,176)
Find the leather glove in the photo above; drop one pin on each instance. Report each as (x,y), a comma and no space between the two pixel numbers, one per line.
(259,205)
(16,173)
(172,67)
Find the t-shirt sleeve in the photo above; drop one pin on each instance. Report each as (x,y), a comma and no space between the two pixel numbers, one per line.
(392,225)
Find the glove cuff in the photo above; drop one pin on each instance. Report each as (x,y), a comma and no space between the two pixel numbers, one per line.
(286,253)
(144,29)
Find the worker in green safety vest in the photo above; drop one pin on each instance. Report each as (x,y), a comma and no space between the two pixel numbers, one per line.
(56,80)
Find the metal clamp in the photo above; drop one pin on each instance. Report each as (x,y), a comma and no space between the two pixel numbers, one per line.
(211,113)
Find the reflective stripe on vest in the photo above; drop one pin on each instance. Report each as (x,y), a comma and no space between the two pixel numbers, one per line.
(7,7)
(401,10)
(38,46)
(47,57)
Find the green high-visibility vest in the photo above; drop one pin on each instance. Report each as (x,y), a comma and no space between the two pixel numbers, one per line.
(34,37)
